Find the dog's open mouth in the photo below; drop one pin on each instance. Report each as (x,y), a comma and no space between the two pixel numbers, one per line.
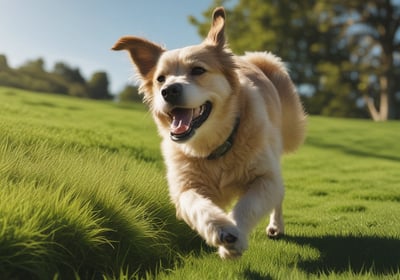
(186,120)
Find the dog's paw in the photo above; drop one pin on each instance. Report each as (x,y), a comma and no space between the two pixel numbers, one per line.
(274,231)
(221,232)
(225,235)
(233,250)
(227,238)
(233,244)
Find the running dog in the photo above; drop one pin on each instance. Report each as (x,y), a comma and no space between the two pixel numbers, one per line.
(225,121)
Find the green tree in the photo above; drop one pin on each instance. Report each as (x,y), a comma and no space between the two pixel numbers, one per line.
(33,76)
(69,74)
(76,83)
(130,94)
(368,30)
(3,63)
(339,53)
(63,79)
(291,30)
(34,66)
(98,86)
(77,90)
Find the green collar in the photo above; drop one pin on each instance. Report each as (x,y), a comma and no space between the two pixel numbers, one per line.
(227,145)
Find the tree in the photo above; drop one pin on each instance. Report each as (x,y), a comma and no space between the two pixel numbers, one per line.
(71,75)
(283,27)
(98,86)
(130,94)
(34,66)
(369,30)
(33,76)
(77,90)
(291,30)
(3,63)
(63,79)
(339,53)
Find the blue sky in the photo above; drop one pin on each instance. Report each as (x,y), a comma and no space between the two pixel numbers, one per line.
(81,32)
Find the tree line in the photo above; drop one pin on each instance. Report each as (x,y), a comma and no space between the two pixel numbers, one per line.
(343,55)
(62,79)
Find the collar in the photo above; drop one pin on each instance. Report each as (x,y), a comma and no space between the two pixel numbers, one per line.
(227,145)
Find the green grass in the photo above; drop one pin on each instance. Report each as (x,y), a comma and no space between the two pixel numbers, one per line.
(83,195)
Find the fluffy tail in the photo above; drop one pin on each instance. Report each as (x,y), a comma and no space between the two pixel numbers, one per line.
(293,116)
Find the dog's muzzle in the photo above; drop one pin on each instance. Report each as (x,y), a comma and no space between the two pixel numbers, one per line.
(185,121)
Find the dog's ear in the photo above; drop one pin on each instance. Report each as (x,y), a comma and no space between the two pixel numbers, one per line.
(144,54)
(216,34)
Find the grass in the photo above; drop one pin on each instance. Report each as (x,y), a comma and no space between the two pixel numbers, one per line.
(83,195)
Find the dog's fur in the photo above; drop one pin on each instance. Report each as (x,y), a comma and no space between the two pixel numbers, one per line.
(254,88)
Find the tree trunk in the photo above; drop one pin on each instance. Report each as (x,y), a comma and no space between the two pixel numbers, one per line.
(387,108)
(384,100)
(392,109)
(371,108)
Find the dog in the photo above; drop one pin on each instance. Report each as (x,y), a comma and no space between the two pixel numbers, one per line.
(225,120)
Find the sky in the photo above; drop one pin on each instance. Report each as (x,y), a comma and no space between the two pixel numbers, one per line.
(81,32)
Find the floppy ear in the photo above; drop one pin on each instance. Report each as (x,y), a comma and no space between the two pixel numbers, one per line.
(144,54)
(216,34)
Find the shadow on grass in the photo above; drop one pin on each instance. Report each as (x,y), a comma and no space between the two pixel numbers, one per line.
(253,275)
(378,255)
(352,149)
(50,105)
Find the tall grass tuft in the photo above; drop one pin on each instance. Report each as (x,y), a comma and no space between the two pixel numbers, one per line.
(77,208)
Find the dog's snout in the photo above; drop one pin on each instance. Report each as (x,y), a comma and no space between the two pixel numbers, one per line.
(172,93)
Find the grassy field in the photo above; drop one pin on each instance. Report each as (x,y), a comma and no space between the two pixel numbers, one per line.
(83,195)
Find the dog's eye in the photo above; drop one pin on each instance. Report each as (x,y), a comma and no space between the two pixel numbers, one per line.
(197,71)
(161,79)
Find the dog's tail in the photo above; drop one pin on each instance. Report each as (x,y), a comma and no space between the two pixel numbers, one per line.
(293,116)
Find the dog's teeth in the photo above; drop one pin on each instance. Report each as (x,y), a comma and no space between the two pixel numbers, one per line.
(196,112)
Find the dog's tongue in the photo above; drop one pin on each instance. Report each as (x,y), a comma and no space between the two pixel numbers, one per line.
(181,119)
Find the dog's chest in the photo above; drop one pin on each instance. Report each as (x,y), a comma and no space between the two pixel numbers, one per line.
(221,180)
(235,176)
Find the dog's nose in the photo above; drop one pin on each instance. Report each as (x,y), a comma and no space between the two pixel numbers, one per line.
(172,93)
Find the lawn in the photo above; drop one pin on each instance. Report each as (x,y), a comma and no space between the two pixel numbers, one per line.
(83,195)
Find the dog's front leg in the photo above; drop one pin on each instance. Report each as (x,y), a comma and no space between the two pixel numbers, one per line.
(264,195)
(211,222)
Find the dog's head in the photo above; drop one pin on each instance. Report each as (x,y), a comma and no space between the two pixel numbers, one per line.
(190,91)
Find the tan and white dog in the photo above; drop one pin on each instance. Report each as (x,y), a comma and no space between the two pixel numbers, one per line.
(225,121)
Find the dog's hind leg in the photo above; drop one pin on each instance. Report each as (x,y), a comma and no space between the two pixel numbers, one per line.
(275,227)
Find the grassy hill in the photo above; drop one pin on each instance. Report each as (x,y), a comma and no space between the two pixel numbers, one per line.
(83,195)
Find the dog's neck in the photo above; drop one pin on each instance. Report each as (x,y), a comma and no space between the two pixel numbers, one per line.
(227,145)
